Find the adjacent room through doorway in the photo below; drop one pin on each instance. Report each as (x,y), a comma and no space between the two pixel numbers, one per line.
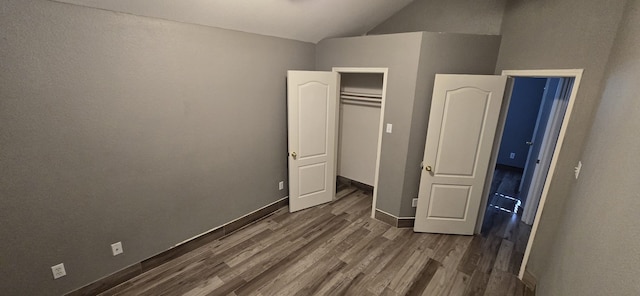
(522,117)
(535,114)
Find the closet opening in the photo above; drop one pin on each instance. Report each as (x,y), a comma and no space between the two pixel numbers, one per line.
(360,127)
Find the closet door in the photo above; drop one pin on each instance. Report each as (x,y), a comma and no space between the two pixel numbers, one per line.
(462,126)
(312,107)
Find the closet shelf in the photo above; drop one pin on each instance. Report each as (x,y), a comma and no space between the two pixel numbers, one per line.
(360,102)
(357,94)
(366,104)
(364,99)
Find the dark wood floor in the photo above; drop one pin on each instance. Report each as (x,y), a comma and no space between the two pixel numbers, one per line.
(506,182)
(336,249)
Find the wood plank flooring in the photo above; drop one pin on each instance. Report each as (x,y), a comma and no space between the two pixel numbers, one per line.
(337,249)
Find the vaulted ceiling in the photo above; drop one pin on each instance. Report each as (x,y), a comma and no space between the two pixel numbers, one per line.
(305,20)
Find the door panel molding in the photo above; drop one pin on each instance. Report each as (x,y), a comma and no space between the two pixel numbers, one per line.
(312,112)
(462,124)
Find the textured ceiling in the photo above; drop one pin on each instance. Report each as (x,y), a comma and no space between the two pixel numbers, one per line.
(305,20)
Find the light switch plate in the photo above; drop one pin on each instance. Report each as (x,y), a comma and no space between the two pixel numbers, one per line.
(389,128)
(414,203)
(577,169)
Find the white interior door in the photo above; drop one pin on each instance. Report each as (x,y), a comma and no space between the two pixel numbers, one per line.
(550,92)
(462,126)
(551,133)
(312,107)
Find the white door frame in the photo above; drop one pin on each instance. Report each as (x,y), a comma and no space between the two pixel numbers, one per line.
(384,72)
(570,73)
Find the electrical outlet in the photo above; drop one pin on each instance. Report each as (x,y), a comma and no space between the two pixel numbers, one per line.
(116,248)
(512,155)
(414,203)
(577,169)
(389,128)
(58,271)
(281,185)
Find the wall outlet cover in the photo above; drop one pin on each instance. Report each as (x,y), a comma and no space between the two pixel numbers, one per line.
(512,155)
(116,248)
(58,271)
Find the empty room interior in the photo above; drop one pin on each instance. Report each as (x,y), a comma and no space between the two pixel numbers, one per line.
(280,147)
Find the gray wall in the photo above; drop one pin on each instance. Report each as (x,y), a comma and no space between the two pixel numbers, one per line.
(554,34)
(399,53)
(597,250)
(452,16)
(444,54)
(115,127)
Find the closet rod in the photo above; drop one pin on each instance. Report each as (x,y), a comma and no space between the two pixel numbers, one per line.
(345,97)
(357,94)
(362,103)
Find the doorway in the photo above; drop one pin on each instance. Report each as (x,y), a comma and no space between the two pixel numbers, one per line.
(518,154)
(335,130)
(360,118)
(532,129)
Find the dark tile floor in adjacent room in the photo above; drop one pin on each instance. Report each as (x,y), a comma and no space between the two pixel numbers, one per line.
(337,249)
(504,196)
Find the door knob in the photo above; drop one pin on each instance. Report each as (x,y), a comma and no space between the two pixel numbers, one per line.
(529,143)
(428,168)
(294,155)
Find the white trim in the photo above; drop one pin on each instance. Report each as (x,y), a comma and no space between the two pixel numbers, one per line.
(577,75)
(225,224)
(407,218)
(394,216)
(359,70)
(385,73)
